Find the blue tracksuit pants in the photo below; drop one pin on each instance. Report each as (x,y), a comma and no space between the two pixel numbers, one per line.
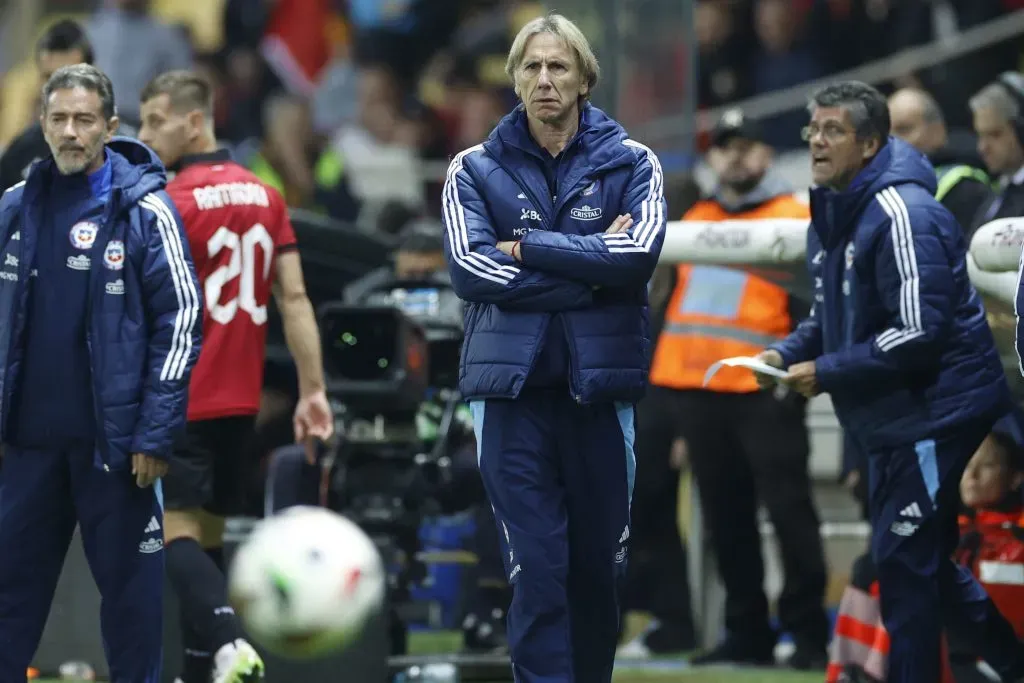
(42,496)
(914,501)
(560,478)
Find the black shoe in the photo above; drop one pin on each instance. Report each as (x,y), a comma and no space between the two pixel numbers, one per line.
(808,659)
(737,651)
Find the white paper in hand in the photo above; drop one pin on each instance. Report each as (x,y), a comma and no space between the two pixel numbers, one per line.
(744,362)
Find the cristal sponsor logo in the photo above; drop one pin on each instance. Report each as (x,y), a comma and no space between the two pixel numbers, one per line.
(79,262)
(903,528)
(586,213)
(115,287)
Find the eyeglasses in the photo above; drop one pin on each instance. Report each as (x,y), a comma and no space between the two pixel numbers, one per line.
(833,132)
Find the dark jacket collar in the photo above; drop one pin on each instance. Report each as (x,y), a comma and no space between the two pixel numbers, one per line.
(216,156)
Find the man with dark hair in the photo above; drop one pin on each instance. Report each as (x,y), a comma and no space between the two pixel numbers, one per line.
(897,336)
(998,111)
(245,250)
(63,43)
(99,303)
(962,187)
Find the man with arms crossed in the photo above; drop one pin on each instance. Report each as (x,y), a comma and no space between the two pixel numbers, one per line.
(897,336)
(244,248)
(100,312)
(554,227)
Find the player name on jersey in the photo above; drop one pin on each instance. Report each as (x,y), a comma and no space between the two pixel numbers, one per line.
(230,194)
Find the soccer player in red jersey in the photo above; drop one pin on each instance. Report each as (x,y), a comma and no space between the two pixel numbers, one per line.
(244,249)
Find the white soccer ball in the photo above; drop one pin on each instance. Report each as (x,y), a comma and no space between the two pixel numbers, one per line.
(305,582)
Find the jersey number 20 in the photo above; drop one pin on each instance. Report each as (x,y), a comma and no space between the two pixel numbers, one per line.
(241,264)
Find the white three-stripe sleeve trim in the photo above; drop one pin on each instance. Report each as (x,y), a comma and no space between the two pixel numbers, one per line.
(906,266)
(652,212)
(185,320)
(458,231)
(1016,311)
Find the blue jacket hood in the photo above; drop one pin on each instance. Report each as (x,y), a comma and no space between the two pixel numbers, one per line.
(897,163)
(136,171)
(597,132)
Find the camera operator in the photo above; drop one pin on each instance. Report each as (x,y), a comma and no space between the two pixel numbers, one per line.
(419,259)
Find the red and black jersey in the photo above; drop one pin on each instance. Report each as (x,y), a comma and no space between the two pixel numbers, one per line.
(236,227)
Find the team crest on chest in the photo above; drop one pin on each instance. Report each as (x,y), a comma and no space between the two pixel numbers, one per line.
(591,188)
(83,234)
(113,255)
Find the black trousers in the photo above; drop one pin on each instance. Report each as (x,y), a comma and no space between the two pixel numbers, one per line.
(747,449)
(657,576)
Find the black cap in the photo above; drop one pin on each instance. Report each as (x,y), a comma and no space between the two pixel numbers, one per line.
(734,124)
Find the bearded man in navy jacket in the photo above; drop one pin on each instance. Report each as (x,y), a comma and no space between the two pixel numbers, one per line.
(554,227)
(99,308)
(897,337)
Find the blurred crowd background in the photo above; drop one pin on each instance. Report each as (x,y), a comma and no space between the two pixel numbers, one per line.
(334,101)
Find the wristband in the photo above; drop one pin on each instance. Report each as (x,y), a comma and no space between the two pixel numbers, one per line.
(519,246)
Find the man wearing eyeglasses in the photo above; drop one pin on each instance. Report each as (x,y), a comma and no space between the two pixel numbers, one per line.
(897,336)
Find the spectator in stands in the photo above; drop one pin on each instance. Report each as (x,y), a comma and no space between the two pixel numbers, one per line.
(963,188)
(721,53)
(300,164)
(132,48)
(63,44)
(897,338)
(998,111)
(782,59)
(744,446)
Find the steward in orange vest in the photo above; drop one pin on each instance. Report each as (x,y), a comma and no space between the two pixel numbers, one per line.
(745,447)
(717,312)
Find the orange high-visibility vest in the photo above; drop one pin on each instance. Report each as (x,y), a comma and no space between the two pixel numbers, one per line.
(717,313)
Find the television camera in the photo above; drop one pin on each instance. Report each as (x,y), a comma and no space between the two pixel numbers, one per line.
(384,361)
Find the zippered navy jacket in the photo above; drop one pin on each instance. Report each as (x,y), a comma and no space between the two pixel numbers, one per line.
(143,309)
(897,331)
(592,285)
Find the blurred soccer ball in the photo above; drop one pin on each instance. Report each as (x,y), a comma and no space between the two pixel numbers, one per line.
(305,582)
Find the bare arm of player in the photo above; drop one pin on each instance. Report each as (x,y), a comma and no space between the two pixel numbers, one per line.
(313,418)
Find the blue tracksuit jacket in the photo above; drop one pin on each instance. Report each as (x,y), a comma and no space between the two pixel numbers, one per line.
(897,331)
(595,284)
(144,305)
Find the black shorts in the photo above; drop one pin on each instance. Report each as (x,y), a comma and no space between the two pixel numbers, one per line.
(212,466)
